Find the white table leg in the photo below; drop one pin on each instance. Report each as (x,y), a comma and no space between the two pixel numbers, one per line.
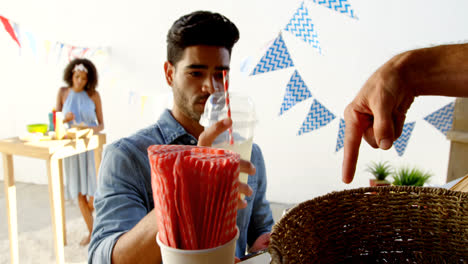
(56,207)
(10,198)
(62,201)
(97,159)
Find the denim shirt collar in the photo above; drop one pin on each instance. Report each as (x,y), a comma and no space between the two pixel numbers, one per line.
(171,129)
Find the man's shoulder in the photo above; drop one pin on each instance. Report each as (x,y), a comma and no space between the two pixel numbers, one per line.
(256,149)
(140,140)
(257,157)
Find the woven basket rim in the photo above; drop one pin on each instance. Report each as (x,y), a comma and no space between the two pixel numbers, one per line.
(379,189)
(293,221)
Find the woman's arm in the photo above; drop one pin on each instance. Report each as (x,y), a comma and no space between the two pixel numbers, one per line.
(59,103)
(100,118)
(61,97)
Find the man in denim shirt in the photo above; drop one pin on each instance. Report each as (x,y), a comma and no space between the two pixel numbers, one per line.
(199,49)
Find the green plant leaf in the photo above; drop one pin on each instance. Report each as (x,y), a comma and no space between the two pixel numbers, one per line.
(410,177)
(380,170)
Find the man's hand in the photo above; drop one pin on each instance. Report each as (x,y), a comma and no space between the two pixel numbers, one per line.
(262,242)
(206,139)
(377,113)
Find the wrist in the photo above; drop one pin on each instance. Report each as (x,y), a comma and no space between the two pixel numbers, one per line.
(404,68)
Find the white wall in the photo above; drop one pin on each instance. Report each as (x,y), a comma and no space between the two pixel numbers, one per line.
(299,167)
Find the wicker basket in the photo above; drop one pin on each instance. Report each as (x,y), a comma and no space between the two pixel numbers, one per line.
(375,225)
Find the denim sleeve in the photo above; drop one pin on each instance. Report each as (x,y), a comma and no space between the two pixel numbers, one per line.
(261,220)
(118,202)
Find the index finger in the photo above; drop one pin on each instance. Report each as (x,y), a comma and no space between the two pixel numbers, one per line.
(352,141)
(208,136)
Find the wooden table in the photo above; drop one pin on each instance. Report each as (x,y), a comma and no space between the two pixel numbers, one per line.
(52,151)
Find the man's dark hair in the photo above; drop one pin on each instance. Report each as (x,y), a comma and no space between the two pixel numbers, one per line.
(200,28)
(92,74)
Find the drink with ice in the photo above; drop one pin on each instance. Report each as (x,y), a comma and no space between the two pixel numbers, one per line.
(243,148)
(243,123)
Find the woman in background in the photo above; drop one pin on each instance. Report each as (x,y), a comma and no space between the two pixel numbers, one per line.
(81,104)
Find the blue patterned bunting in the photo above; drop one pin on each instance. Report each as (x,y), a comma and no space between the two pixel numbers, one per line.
(442,119)
(296,92)
(318,117)
(301,26)
(340,140)
(277,57)
(401,143)
(341,6)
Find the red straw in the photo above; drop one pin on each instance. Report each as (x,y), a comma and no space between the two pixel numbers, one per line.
(226,95)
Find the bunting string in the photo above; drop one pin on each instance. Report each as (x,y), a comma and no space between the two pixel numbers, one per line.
(25,38)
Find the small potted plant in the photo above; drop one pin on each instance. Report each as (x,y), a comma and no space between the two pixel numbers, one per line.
(410,177)
(380,170)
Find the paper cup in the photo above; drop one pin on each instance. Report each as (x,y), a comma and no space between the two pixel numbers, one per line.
(222,254)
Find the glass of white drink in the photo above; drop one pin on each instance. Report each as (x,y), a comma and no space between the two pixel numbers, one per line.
(243,123)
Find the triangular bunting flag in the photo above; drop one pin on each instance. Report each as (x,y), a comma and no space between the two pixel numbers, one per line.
(401,143)
(83,52)
(131,97)
(341,6)
(32,42)
(245,65)
(99,52)
(19,34)
(71,53)
(47,45)
(340,140)
(277,57)
(296,92)
(60,48)
(442,119)
(9,29)
(318,117)
(143,102)
(301,26)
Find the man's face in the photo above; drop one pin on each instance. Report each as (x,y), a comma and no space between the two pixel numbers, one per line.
(195,76)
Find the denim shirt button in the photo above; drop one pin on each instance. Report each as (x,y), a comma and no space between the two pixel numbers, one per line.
(192,141)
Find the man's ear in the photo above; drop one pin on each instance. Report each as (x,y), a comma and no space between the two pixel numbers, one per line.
(169,71)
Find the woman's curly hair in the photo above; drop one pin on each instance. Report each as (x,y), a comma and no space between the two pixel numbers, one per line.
(92,74)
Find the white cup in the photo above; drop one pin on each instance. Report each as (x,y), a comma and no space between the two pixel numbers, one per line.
(218,255)
(243,124)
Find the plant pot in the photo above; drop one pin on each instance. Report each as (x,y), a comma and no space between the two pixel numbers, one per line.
(375,182)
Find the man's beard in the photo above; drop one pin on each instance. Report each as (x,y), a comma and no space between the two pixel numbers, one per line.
(187,107)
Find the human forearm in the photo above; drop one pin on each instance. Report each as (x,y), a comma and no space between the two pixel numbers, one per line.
(139,244)
(440,70)
(98,128)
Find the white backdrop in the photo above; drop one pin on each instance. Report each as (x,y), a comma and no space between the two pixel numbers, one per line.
(298,167)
